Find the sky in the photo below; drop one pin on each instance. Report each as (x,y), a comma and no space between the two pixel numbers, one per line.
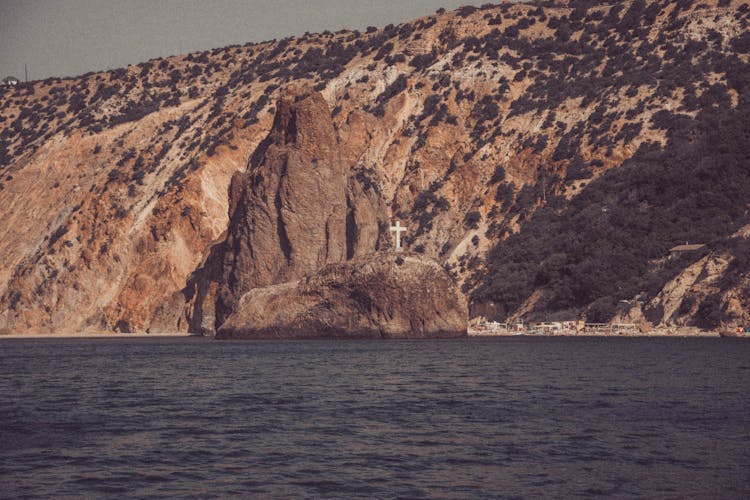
(72,37)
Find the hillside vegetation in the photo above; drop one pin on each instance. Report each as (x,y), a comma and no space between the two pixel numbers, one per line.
(548,154)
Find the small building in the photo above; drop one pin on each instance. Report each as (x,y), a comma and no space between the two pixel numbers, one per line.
(10,81)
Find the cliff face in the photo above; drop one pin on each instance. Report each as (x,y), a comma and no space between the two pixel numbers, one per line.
(297,208)
(384,295)
(548,155)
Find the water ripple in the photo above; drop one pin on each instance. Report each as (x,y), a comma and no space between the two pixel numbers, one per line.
(485,418)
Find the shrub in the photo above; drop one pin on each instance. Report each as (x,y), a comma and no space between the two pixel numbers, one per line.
(56,235)
(504,195)
(395,88)
(423,61)
(710,314)
(466,11)
(601,310)
(498,175)
(485,110)
(741,43)
(472,219)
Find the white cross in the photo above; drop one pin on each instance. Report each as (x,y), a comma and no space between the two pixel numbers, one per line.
(398,229)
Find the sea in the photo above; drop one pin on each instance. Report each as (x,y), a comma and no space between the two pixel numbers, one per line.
(468,418)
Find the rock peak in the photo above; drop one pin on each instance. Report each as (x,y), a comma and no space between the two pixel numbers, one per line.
(302,119)
(296,209)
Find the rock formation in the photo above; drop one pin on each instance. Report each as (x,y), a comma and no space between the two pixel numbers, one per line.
(385,295)
(297,208)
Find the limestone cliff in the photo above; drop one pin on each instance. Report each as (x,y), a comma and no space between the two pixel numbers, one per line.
(385,295)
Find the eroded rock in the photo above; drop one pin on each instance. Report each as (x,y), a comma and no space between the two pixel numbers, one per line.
(384,295)
(298,207)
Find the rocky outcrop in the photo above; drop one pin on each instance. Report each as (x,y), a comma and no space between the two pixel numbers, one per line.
(297,208)
(384,295)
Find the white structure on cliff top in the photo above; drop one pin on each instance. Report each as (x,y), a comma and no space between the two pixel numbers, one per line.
(10,81)
(398,229)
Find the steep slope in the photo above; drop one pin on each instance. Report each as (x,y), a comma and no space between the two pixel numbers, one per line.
(548,154)
(296,209)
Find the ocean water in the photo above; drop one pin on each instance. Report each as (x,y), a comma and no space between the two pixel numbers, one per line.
(472,418)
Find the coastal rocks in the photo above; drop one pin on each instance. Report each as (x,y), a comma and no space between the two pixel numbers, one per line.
(297,208)
(383,295)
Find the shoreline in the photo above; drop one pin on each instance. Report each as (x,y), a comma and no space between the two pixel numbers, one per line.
(707,335)
(676,332)
(656,333)
(93,335)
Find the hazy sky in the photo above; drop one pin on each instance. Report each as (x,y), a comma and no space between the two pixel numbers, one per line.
(71,37)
